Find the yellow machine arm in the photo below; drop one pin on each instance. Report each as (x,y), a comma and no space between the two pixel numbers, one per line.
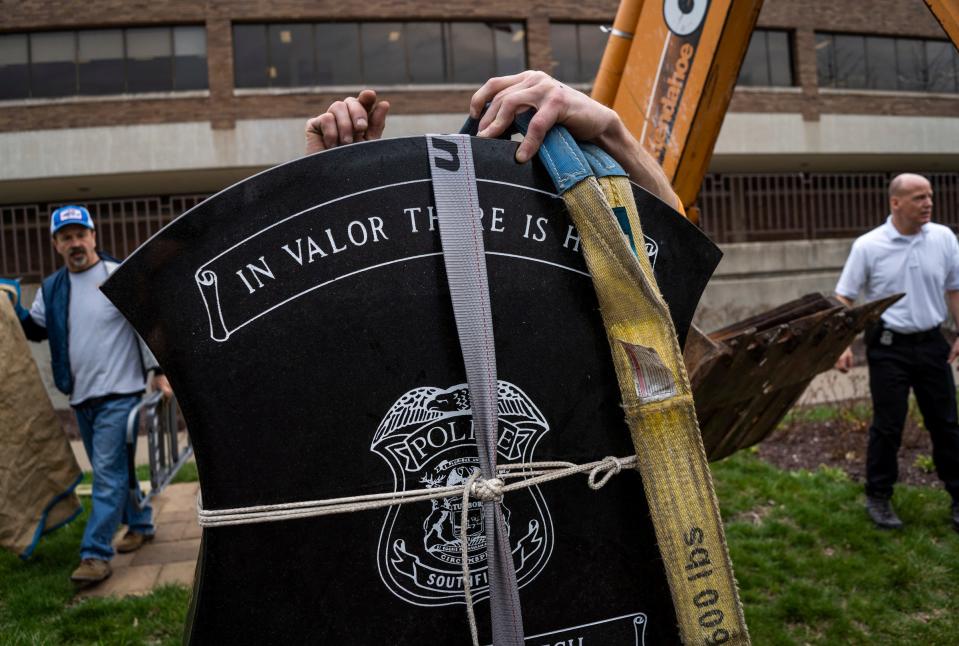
(672,83)
(947,13)
(672,86)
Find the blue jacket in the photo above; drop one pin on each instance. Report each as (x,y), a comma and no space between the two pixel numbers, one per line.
(56,302)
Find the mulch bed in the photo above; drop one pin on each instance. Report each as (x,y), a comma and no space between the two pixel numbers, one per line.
(841,444)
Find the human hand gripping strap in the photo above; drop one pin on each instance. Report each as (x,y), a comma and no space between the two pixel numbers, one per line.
(11,286)
(655,390)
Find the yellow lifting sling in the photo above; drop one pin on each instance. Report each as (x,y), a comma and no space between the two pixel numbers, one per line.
(655,391)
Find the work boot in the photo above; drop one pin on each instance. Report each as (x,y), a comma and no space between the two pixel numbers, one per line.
(882,514)
(132,541)
(91,572)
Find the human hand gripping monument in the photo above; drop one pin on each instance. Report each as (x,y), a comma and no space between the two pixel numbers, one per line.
(363,118)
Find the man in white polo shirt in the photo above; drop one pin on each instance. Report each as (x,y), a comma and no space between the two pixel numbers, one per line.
(911,255)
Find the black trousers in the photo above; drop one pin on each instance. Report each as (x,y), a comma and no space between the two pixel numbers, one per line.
(919,362)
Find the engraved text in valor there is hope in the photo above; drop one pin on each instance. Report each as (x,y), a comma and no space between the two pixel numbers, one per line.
(296,256)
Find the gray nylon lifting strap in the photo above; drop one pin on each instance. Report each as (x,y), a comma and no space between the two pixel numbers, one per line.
(461,234)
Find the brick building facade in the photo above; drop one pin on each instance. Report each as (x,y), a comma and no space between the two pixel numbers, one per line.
(787,139)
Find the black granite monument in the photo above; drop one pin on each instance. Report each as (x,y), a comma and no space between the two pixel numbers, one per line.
(304,320)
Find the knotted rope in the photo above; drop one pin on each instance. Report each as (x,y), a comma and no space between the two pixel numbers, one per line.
(527,474)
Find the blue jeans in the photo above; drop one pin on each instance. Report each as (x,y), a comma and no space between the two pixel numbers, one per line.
(103,427)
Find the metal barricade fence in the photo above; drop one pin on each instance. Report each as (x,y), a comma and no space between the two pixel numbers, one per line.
(166,451)
(753,207)
(121,224)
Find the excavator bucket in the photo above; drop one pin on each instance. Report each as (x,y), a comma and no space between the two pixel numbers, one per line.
(747,376)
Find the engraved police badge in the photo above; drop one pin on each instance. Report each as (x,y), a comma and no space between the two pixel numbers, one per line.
(428,441)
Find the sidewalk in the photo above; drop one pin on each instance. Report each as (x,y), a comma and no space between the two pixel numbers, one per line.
(833,386)
(169,558)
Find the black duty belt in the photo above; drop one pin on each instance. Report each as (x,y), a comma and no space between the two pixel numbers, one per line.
(886,337)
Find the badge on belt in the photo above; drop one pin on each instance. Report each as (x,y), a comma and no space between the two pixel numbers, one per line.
(886,337)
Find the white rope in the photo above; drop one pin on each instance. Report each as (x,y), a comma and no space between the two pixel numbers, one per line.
(493,489)
(469,488)
(528,473)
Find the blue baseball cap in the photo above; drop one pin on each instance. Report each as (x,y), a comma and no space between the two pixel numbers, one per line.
(71,214)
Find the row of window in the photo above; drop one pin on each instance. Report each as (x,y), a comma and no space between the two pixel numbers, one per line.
(577,50)
(856,62)
(884,63)
(158,59)
(768,61)
(375,53)
(102,61)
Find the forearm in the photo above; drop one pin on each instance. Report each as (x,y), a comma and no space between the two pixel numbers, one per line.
(636,160)
(31,330)
(845,360)
(952,299)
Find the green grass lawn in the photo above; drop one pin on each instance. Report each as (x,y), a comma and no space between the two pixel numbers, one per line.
(811,570)
(186,473)
(37,605)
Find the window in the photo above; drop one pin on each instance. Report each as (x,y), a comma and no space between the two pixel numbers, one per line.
(768,61)
(380,53)
(886,63)
(942,66)
(189,58)
(149,60)
(509,44)
(291,55)
(14,68)
(94,62)
(424,47)
(337,53)
(53,65)
(100,61)
(881,53)
(250,67)
(384,56)
(577,50)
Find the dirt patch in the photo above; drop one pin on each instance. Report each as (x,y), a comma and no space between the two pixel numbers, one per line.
(841,444)
(754,516)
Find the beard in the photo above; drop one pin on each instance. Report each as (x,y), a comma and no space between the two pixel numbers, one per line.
(79,258)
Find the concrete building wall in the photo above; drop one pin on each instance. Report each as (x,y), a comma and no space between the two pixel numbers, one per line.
(260,143)
(757,276)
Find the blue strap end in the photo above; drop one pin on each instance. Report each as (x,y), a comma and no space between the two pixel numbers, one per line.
(14,284)
(560,153)
(601,162)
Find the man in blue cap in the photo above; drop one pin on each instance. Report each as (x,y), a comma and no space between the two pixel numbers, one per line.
(101,364)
